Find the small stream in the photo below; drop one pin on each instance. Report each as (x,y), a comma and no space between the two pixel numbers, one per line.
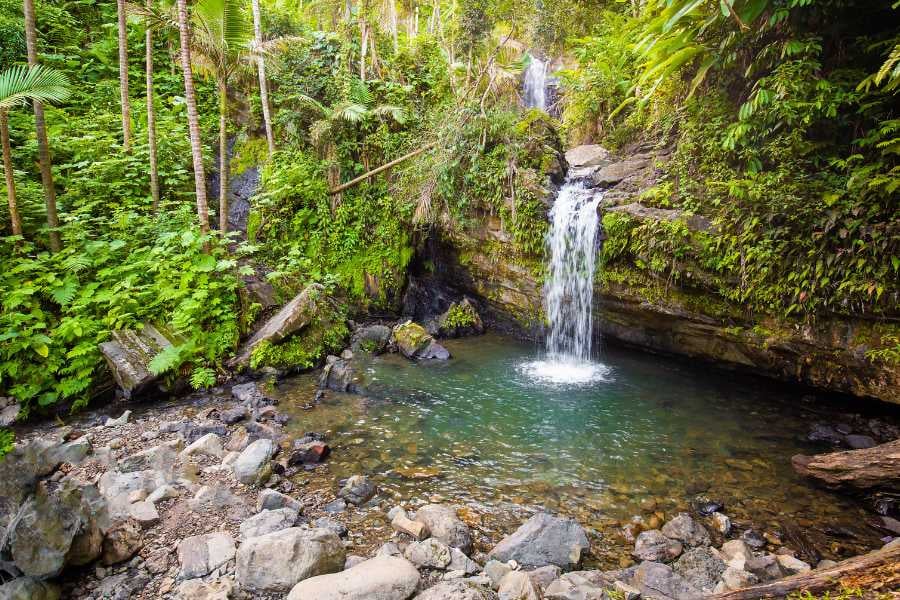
(649,438)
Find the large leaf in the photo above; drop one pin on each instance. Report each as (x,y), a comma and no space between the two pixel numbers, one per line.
(20,84)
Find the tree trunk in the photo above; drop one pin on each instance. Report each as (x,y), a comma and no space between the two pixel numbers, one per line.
(14,218)
(123,76)
(363,46)
(868,469)
(263,84)
(223,155)
(41,131)
(877,568)
(151,118)
(184,31)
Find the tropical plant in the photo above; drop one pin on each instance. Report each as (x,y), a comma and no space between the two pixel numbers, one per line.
(18,86)
(122,27)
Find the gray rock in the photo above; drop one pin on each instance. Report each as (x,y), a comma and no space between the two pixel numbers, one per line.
(144,513)
(791,565)
(121,420)
(208,445)
(446,526)
(122,542)
(294,316)
(336,506)
(197,589)
(122,586)
(687,531)
(415,343)
(276,562)
(357,490)
(234,415)
(430,553)
(116,488)
(659,582)
(735,579)
(544,540)
(200,554)
(341,376)
(652,545)
(496,571)
(72,452)
(9,414)
(616,172)
(860,442)
(460,562)
(389,549)
(332,525)
(765,567)
(700,567)
(379,578)
(457,590)
(26,588)
(271,500)
(159,458)
(57,527)
(588,155)
(373,339)
(517,585)
(268,521)
(253,463)
(579,585)
(544,576)
(191,432)
(128,355)
(163,492)
(753,539)
(215,500)
(826,563)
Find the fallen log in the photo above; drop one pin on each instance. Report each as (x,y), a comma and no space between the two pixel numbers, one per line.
(878,570)
(384,167)
(868,469)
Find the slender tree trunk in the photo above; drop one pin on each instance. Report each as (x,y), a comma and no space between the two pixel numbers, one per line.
(184,31)
(123,76)
(263,84)
(223,155)
(14,218)
(41,131)
(151,118)
(363,46)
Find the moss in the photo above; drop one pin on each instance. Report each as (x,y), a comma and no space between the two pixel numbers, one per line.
(460,315)
(304,350)
(248,152)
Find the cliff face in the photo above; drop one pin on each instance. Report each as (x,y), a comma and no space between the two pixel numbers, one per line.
(683,317)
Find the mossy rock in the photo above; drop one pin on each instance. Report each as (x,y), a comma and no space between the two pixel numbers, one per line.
(415,343)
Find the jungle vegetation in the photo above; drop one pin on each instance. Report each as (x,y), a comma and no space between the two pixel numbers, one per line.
(126,122)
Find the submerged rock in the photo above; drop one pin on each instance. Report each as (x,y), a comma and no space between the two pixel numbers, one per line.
(544,540)
(379,578)
(357,490)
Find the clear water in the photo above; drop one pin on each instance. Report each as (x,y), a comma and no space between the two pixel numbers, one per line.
(569,292)
(479,429)
(535,85)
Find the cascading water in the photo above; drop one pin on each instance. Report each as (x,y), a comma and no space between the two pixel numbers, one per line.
(535,88)
(569,293)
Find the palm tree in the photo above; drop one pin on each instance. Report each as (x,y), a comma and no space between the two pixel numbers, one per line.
(41,131)
(184,33)
(324,132)
(263,84)
(151,115)
(19,85)
(123,75)
(221,37)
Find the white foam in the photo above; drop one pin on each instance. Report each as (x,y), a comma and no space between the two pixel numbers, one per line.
(565,372)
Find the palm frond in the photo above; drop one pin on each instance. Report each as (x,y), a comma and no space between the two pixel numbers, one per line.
(312,103)
(156,18)
(397,113)
(20,84)
(350,112)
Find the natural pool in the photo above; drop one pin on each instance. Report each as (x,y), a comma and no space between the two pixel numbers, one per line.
(648,438)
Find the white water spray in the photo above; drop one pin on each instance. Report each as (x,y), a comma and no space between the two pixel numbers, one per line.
(572,244)
(535,88)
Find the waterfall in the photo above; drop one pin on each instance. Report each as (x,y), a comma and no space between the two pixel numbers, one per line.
(535,88)
(572,245)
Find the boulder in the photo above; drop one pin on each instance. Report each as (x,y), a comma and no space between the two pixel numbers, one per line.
(614,173)
(308,452)
(430,553)
(517,585)
(766,567)
(446,526)
(652,545)
(271,500)
(588,155)
(461,319)
(277,561)
(415,343)
(253,463)
(860,442)
(791,565)
(20,471)
(118,421)
(659,582)
(159,458)
(457,590)
(544,540)
(736,553)
(208,445)
(268,521)
(496,571)
(460,562)
(200,554)
(357,490)
(687,531)
(735,579)
(330,524)
(251,395)
(294,316)
(544,576)
(700,567)
(129,353)
(27,588)
(697,223)
(379,578)
(57,527)
(373,339)
(71,452)
(117,489)
(9,412)
(234,415)
(340,376)
(197,589)
(122,542)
